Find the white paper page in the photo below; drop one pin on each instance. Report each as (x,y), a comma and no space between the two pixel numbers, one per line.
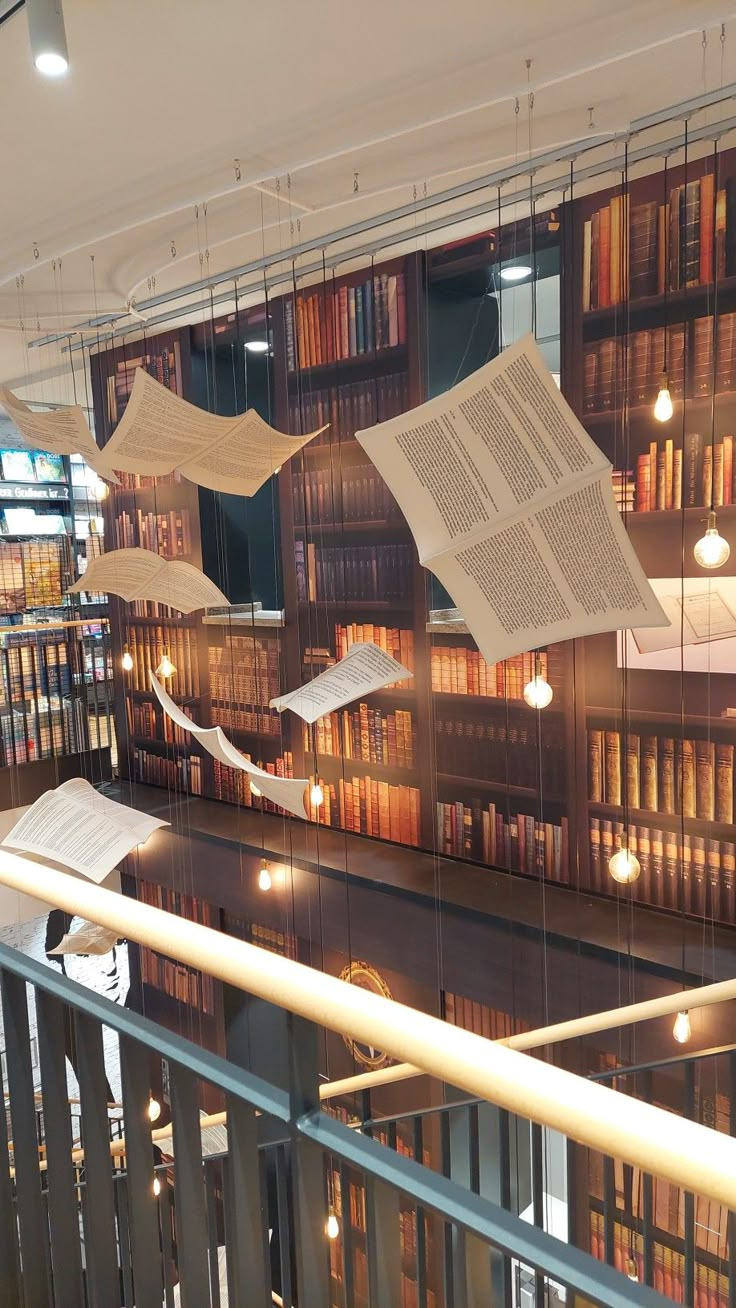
(244,459)
(60,431)
(135,573)
(287,792)
(87,939)
(497,442)
(363,669)
(704,616)
(159,430)
(65,829)
(564,569)
(131,819)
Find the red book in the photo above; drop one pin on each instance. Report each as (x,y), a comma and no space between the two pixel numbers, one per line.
(707,217)
(643,484)
(727,469)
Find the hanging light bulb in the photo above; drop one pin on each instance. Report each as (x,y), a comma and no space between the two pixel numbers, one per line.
(333,1227)
(156,1186)
(632,1271)
(538,692)
(165,668)
(264,876)
(255,791)
(682,1029)
(127,660)
(663,408)
(316,795)
(100,489)
(712,550)
(154,1109)
(624,866)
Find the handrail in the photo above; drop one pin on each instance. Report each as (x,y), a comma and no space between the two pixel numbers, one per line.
(689,1155)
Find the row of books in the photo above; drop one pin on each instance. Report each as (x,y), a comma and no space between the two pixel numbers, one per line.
(176,979)
(693,874)
(396,641)
(358,572)
(233,786)
(347,409)
(368,734)
(354,494)
(668,477)
(491,1023)
(711,1287)
(246,717)
(184,774)
(29,668)
(144,719)
(138,480)
(168,534)
(663,775)
(33,574)
(164,365)
(147,645)
(689,364)
(507,752)
(45,728)
(245,670)
(346,321)
(152,609)
(679,242)
(519,842)
(457,670)
(371,808)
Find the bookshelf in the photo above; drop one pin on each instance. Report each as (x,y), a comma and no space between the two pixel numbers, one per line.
(671,766)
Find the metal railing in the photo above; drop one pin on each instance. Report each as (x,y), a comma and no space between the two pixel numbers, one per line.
(102,1237)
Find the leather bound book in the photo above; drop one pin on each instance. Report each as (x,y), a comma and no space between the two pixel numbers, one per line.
(686,777)
(633,789)
(690,234)
(649,773)
(604,258)
(612,778)
(595,766)
(707,221)
(730,227)
(705,779)
(724,783)
(666,765)
(643,250)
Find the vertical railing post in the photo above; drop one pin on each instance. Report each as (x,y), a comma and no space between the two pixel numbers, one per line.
(10,1293)
(308,1168)
(101,1256)
(689,1197)
(142,1206)
(191,1213)
(63,1202)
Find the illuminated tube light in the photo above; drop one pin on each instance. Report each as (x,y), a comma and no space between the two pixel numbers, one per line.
(682,1029)
(624,867)
(712,550)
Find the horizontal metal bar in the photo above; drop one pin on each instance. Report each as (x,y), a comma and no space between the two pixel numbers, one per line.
(504,1231)
(208,1067)
(696,1056)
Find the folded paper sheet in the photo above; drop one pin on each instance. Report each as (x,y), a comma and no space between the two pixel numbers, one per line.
(87,939)
(160,433)
(77,826)
(140,574)
(60,431)
(364,668)
(287,792)
(511,506)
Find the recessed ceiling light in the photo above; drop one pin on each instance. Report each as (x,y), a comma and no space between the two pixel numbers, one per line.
(516,272)
(257,347)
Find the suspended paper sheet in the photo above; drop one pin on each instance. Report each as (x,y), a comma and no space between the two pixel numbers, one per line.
(87,939)
(160,433)
(140,574)
(364,668)
(59,431)
(511,506)
(287,792)
(77,826)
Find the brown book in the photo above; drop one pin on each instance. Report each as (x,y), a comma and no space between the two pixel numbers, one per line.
(587,250)
(727,469)
(643,487)
(633,790)
(615,262)
(661,480)
(690,234)
(677,480)
(721,234)
(669,447)
(718,477)
(604,258)
(649,773)
(643,251)
(725,373)
(686,777)
(666,777)
(707,222)
(674,248)
(595,766)
(640,368)
(653,473)
(724,783)
(663,224)
(705,779)
(708,479)
(613,767)
(590,385)
(595,241)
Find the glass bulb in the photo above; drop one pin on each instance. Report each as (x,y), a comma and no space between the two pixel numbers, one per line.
(154,1109)
(712,550)
(156,1186)
(682,1030)
(51,63)
(538,692)
(255,792)
(624,867)
(663,409)
(632,1270)
(316,795)
(127,660)
(99,489)
(165,667)
(333,1227)
(264,876)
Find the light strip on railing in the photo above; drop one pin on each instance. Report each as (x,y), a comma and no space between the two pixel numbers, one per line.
(695,1157)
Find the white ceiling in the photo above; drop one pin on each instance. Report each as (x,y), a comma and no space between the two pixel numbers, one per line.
(163,95)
